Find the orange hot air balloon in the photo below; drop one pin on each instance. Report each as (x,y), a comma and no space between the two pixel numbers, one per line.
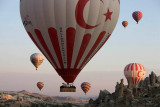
(69,32)
(85,86)
(137,16)
(125,24)
(134,73)
(40,85)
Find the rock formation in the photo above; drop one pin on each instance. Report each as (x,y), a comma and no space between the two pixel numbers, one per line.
(147,93)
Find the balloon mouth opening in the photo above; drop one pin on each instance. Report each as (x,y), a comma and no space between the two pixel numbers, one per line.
(69,79)
(68,75)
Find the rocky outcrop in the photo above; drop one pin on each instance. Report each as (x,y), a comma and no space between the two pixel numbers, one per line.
(158,79)
(153,78)
(147,93)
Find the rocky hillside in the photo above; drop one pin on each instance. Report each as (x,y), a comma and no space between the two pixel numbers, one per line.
(69,99)
(56,98)
(25,98)
(147,94)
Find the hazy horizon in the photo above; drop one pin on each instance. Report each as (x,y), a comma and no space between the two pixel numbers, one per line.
(28,81)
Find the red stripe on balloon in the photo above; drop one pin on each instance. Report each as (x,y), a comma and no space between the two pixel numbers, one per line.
(104,41)
(30,35)
(70,36)
(128,67)
(102,34)
(55,43)
(132,66)
(83,47)
(99,47)
(40,38)
(119,1)
(136,67)
(140,66)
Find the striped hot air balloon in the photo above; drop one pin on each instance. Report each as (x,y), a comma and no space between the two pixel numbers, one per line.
(134,73)
(36,59)
(85,86)
(40,85)
(69,32)
(137,16)
(125,24)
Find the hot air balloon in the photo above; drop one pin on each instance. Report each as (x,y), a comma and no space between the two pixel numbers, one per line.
(69,32)
(85,86)
(125,24)
(36,59)
(134,73)
(137,15)
(40,85)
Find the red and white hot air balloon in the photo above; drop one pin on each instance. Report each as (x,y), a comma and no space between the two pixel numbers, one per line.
(134,73)
(69,32)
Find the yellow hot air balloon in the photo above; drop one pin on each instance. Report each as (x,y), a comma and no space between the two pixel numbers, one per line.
(36,59)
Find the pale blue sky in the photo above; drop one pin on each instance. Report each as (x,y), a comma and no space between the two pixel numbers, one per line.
(137,43)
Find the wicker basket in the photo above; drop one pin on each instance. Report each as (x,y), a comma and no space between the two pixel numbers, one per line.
(67,89)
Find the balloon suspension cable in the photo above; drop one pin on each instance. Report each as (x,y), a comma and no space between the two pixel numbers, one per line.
(36,68)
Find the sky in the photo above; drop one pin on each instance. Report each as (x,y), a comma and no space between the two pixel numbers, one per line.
(139,43)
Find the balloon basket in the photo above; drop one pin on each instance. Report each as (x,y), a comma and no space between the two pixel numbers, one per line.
(67,88)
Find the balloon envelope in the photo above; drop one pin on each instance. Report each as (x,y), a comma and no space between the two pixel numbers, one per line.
(85,86)
(125,23)
(69,32)
(134,72)
(137,16)
(36,59)
(40,85)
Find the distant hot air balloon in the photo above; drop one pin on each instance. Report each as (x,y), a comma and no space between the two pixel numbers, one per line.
(85,87)
(36,59)
(40,85)
(137,15)
(134,73)
(69,32)
(125,23)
